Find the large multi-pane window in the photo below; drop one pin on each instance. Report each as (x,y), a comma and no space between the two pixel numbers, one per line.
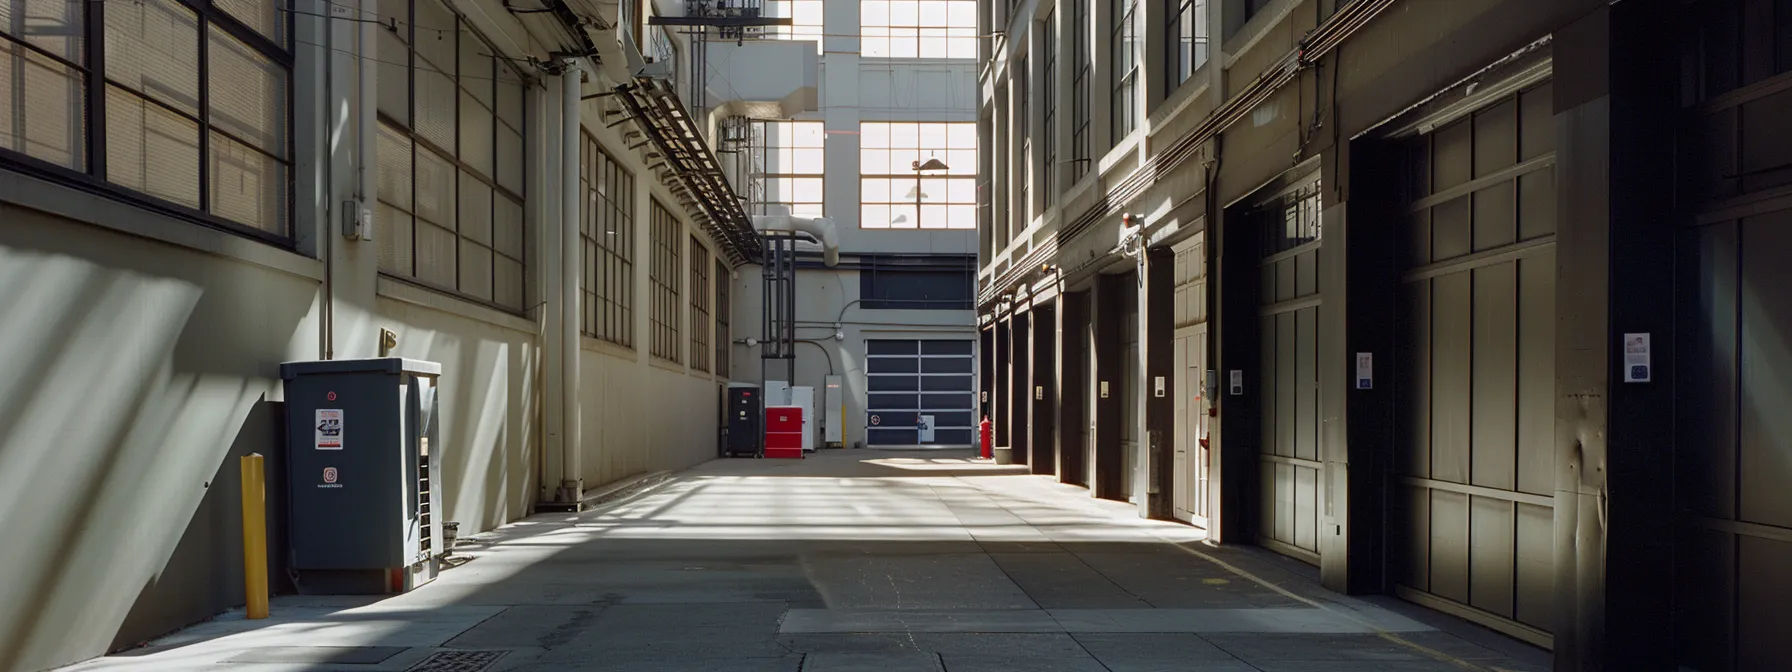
(918,28)
(187,102)
(663,280)
(724,334)
(608,234)
(897,189)
(1023,121)
(699,305)
(787,162)
(1125,68)
(1048,89)
(1080,157)
(1186,41)
(805,20)
(450,213)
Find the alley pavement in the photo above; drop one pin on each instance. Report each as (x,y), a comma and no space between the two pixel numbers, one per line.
(843,562)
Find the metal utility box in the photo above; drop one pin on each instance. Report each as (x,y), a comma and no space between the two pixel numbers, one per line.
(364,474)
(744,422)
(833,421)
(803,396)
(784,432)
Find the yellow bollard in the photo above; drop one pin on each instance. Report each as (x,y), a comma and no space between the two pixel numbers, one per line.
(255,536)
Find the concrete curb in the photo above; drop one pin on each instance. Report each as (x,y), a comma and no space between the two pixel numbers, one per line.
(623,488)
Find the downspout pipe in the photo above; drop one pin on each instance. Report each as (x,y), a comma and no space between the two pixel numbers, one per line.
(572,480)
(820,228)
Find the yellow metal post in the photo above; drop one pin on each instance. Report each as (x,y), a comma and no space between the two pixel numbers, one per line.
(255,536)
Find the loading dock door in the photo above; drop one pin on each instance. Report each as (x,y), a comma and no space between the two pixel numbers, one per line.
(1289,394)
(912,381)
(1475,455)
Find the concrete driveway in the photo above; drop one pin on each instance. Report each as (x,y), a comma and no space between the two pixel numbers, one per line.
(848,560)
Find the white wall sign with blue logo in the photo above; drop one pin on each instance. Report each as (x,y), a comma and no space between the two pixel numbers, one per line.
(1636,358)
(1365,370)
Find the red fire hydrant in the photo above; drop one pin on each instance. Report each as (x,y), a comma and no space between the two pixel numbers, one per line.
(983,430)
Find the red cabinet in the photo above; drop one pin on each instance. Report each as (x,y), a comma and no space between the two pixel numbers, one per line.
(784,431)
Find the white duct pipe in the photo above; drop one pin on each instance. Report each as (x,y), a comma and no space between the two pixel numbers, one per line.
(820,228)
(572,480)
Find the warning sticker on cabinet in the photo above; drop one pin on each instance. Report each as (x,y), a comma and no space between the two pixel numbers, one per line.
(329,429)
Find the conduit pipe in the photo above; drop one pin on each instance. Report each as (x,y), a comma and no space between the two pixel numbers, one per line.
(572,479)
(820,228)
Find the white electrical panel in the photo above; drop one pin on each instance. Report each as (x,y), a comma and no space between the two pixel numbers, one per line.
(804,397)
(833,420)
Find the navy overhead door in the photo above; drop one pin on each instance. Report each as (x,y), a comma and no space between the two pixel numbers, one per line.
(912,381)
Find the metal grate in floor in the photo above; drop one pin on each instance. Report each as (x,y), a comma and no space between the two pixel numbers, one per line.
(457,661)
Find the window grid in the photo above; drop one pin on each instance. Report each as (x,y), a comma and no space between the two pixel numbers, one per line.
(918,28)
(1023,174)
(1125,72)
(891,195)
(450,154)
(699,306)
(112,93)
(788,162)
(1079,91)
(805,20)
(663,278)
(607,230)
(1048,88)
(1187,41)
(724,335)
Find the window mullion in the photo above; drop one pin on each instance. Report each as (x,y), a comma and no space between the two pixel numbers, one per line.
(95,32)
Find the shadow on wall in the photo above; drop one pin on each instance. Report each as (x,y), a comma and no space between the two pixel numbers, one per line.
(130,374)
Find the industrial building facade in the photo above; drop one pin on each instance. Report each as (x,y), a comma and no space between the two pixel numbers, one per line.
(1473,303)
(552,200)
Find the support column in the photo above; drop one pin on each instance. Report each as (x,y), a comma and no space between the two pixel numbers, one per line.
(1616,108)
(1233,283)
(1020,401)
(1073,388)
(1105,314)
(572,483)
(1044,325)
(1157,401)
(998,399)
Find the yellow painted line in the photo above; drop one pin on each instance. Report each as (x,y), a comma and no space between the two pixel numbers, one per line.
(1379,631)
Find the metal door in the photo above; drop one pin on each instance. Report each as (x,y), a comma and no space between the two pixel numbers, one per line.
(1474,489)
(909,381)
(1189,478)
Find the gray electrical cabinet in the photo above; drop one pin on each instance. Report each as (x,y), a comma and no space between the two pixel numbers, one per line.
(364,473)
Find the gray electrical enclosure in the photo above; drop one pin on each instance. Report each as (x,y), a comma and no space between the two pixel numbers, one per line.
(363,472)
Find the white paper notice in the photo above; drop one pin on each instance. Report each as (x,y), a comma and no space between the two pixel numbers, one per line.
(1636,358)
(1365,370)
(329,429)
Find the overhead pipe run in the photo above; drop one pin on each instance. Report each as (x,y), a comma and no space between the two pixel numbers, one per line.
(820,228)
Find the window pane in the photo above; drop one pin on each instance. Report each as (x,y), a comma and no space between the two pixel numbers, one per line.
(151,149)
(475,209)
(874,13)
(435,189)
(394,151)
(393,77)
(475,135)
(152,47)
(393,229)
(507,227)
(475,269)
(510,160)
(248,94)
(248,187)
(56,26)
(437,250)
(262,16)
(436,97)
(48,121)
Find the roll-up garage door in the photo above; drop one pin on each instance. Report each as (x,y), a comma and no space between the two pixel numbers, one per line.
(920,392)
(1289,394)
(1477,362)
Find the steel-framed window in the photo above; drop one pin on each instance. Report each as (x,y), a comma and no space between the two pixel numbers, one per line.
(450,146)
(788,162)
(1048,99)
(1185,42)
(893,194)
(607,230)
(663,280)
(724,333)
(1080,81)
(1124,65)
(918,28)
(1023,173)
(700,323)
(181,105)
(806,20)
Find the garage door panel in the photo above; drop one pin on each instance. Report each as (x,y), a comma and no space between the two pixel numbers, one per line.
(1286,286)
(1418,238)
(892,365)
(892,348)
(1765,368)
(1534,571)
(1496,138)
(1762,617)
(1452,229)
(946,383)
(1306,508)
(945,419)
(885,436)
(1537,122)
(1452,159)
(955,437)
(1496,216)
(943,347)
(952,400)
(1285,508)
(1495,380)
(894,383)
(1415,554)
(1267,416)
(1537,373)
(1306,273)
(1537,204)
(1306,371)
(1287,383)
(1449,545)
(1415,460)
(893,401)
(946,365)
(1451,368)
(1705,373)
(1491,542)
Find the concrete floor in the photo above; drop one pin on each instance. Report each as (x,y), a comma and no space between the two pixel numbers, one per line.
(847,561)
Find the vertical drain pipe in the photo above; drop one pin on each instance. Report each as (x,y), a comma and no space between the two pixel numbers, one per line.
(572,477)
